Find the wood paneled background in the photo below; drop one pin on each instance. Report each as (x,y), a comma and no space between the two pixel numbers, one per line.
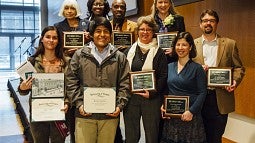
(237,21)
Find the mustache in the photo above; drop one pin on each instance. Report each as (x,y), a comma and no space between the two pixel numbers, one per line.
(209,26)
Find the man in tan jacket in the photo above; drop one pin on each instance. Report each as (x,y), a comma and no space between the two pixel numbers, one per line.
(216,51)
(120,22)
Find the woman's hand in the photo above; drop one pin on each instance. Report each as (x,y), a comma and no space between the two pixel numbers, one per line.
(144,94)
(65,109)
(26,84)
(82,112)
(232,87)
(187,116)
(205,67)
(87,37)
(163,111)
(116,113)
(169,51)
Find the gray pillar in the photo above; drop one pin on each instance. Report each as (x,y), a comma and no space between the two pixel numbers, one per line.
(44,13)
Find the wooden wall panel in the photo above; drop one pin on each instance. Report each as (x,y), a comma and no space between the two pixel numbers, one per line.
(237,21)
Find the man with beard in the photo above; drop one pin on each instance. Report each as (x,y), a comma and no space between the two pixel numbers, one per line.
(216,51)
(119,22)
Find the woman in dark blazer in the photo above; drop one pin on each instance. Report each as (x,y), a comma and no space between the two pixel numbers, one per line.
(167,20)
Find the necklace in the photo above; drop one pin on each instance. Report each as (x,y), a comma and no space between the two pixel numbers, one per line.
(50,60)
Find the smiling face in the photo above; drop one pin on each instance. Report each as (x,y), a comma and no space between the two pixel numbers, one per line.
(50,40)
(98,7)
(101,37)
(69,12)
(119,9)
(182,48)
(163,6)
(208,24)
(145,33)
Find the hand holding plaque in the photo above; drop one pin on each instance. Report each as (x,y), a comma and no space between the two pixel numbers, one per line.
(175,106)
(219,77)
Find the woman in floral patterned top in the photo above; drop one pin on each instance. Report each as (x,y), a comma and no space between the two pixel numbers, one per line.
(48,58)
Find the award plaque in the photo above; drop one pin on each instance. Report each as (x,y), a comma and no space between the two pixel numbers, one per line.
(142,80)
(219,77)
(99,100)
(73,39)
(165,39)
(175,106)
(122,39)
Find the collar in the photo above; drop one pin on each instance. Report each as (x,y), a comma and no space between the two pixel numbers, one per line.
(204,40)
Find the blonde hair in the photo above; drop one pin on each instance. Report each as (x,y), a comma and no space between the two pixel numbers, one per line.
(72,3)
(154,9)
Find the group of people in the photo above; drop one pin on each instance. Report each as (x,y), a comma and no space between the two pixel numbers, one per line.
(180,70)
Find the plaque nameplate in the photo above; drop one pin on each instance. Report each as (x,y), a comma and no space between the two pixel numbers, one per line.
(142,80)
(122,39)
(219,77)
(175,106)
(73,39)
(165,39)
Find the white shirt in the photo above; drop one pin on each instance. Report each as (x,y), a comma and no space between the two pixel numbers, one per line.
(210,51)
(99,56)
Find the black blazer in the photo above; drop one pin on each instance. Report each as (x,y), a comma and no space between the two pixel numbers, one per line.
(177,26)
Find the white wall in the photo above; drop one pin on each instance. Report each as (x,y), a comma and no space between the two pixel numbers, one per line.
(240,129)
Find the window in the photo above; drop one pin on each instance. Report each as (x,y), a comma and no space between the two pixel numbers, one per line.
(19,19)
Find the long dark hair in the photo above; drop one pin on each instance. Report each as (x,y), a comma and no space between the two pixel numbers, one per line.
(58,50)
(188,37)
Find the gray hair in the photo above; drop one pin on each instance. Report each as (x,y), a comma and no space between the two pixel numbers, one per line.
(72,3)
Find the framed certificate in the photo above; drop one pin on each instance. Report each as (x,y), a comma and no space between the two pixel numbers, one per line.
(48,85)
(142,80)
(175,106)
(217,77)
(165,39)
(47,109)
(73,39)
(122,39)
(99,100)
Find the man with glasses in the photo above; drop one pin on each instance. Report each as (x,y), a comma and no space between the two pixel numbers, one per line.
(216,51)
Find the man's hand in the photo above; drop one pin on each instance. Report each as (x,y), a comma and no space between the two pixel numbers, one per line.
(116,113)
(82,112)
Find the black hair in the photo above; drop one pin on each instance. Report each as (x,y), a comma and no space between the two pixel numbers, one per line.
(97,21)
(106,8)
(188,37)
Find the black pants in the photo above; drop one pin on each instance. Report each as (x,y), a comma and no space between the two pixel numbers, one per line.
(70,119)
(214,122)
(118,136)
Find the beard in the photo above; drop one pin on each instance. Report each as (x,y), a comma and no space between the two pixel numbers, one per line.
(208,31)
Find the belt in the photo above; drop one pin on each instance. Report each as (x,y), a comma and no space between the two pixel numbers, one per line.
(211,91)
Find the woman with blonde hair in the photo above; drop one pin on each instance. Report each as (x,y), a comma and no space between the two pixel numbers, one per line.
(168,21)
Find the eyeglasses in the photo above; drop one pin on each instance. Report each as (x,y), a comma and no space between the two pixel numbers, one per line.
(208,20)
(145,30)
(98,4)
